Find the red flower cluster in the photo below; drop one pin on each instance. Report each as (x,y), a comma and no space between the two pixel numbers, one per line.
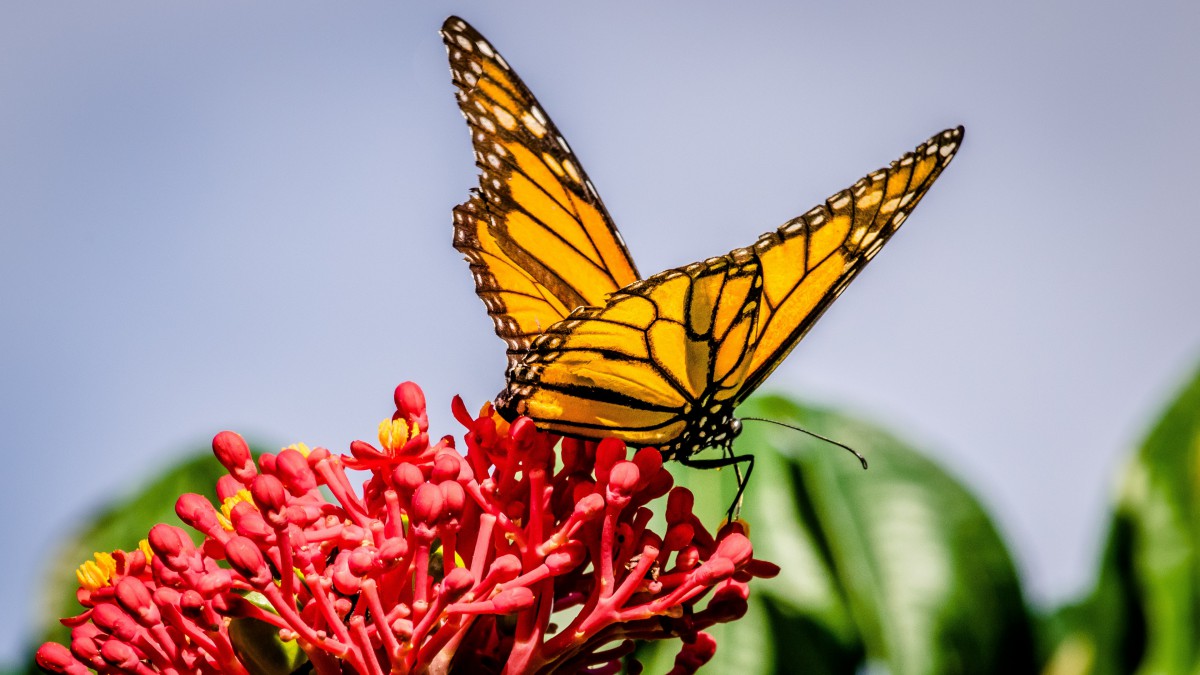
(490,562)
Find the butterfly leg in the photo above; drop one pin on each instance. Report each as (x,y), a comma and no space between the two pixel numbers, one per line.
(729,459)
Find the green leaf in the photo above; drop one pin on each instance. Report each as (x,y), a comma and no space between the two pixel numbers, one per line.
(120,526)
(260,649)
(1144,615)
(897,566)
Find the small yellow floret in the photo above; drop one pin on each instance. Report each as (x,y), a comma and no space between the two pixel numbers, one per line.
(489,411)
(94,575)
(224,517)
(144,547)
(393,434)
(300,448)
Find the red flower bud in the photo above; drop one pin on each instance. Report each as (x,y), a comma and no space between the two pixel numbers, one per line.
(624,478)
(446,467)
(391,551)
(736,548)
(410,403)
(191,604)
(523,431)
(407,477)
(649,461)
(233,453)
(566,558)
(171,545)
(345,581)
(696,652)
(679,505)
(361,561)
(214,582)
(427,503)
(247,560)
(513,600)
(608,452)
(504,569)
(457,582)
(292,468)
(454,499)
(590,506)
(197,512)
(57,658)
(134,597)
(716,569)
(248,521)
(112,620)
(678,536)
(119,655)
(270,496)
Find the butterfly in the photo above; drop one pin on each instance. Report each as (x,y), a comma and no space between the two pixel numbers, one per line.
(596,351)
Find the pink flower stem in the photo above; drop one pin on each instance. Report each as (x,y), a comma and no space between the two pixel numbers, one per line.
(363,642)
(490,508)
(370,593)
(483,544)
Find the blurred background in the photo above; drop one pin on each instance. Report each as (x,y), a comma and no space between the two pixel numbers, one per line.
(237,216)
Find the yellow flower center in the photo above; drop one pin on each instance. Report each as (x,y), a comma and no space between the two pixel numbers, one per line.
(224,517)
(394,433)
(96,574)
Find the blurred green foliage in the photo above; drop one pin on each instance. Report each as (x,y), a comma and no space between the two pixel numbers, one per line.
(898,566)
(896,570)
(120,525)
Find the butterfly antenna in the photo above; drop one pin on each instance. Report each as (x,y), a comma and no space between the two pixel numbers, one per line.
(813,434)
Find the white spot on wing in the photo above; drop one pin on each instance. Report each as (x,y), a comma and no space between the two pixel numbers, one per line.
(569,167)
(535,127)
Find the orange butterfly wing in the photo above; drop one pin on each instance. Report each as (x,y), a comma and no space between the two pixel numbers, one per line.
(592,351)
(665,361)
(536,234)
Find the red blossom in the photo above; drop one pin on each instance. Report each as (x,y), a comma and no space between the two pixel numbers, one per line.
(509,558)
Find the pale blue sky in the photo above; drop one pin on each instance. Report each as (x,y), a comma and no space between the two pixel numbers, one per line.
(234,215)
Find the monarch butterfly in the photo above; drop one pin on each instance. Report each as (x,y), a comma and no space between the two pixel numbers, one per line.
(593,349)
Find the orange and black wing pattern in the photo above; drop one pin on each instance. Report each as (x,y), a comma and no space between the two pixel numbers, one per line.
(536,235)
(809,261)
(664,361)
(641,367)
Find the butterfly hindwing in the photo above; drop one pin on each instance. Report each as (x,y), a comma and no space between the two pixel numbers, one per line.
(538,238)
(647,365)
(665,361)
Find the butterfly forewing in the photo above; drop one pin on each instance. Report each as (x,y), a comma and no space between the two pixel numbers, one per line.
(538,238)
(519,306)
(808,261)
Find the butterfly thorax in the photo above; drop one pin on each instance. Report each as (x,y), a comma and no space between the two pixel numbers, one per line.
(708,426)
(709,423)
